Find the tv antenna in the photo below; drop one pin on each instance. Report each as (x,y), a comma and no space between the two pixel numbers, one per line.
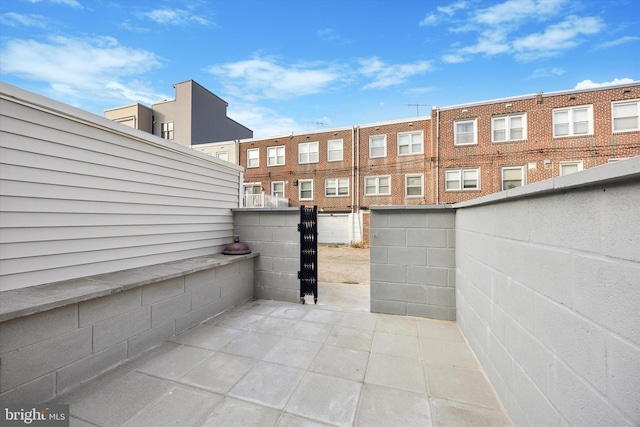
(319,123)
(417,108)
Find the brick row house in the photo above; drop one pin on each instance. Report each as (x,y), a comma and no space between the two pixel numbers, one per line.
(457,153)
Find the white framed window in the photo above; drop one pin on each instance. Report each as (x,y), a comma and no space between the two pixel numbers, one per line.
(334,150)
(462,179)
(512,127)
(625,116)
(305,189)
(166,130)
(377,185)
(277,188)
(223,155)
(308,152)
(253,157)
(617,159)
(570,167)
(573,121)
(410,143)
(512,177)
(378,146)
(413,185)
(338,187)
(465,132)
(275,156)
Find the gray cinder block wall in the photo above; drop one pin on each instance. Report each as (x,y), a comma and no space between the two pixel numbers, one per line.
(548,296)
(274,233)
(46,353)
(413,261)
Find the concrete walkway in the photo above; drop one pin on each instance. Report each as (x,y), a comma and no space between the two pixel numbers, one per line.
(268,363)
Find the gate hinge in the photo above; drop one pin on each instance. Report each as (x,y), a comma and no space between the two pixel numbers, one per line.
(299,275)
(299,228)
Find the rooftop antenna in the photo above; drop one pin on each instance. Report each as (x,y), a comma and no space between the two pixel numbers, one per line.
(417,108)
(319,123)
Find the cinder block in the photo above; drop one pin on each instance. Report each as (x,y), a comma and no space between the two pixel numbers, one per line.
(378,255)
(149,338)
(519,304)
(390,307)
(407,293)
(291,219)
(428,275)
(379,290)
(168,310)
(264,263)
(513,219)
(28,363)
(441,258)
(191,319)
(407,256)
(379,220)
(229,286)
(427,238)
(283,249)
(441,219)
(407,220)
(95,364)
(623,361)
(246,218)
(619,205)
(389,273)
(24,331)
(272,219)
(288,295)
(451,238)
(534,403)
(261,234)
(199,279)
(98,309)
(286,265)
(285,234)
(205,295)
(275,279)
(39,390)
(528,352)
(120,328)
(440,296)
(226,271)
(429,311)
(162,290)
(388,237)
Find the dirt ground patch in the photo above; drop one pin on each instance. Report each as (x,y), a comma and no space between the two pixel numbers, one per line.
(343,264)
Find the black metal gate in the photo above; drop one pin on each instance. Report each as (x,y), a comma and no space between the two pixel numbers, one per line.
(308,273)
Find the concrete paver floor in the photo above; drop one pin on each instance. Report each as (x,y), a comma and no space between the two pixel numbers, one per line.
(269,363)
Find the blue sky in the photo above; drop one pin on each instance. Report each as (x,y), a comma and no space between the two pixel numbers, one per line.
(292,66)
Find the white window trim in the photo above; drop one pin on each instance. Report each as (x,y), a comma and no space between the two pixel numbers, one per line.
(460,173)
(406,185)
(630,101)
(508,127)
(570,110)
(222,152)
(377,185)
(576,162)
(384,136)
(166,131)
(412,153)
(341,150)
(275,147)
(617,159)
(308,145)
(256,150)
(336,188)
(300,181)
(475,132)
(273,185)
(524,175)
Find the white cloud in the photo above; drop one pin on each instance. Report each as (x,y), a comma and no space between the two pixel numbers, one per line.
(430,19)
(547,72)
(16,19)
(452,59)
(329,34)
(263,121)
(385,75)
(258,78)
(82,67)
(72,3)
(512,11)
(444,13)
(588,84)
(618,42)
(177,17)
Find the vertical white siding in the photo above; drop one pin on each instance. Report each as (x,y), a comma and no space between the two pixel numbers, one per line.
(81,195)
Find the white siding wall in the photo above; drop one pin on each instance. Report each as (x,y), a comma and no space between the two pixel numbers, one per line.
(81,195)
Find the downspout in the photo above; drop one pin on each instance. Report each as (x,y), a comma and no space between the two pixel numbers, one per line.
(437,155)
(353,170)
(358,168)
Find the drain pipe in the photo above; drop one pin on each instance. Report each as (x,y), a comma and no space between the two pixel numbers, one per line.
(437,154)
(353,170)
(358,168)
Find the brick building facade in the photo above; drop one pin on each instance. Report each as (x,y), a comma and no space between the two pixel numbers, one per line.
(458,153)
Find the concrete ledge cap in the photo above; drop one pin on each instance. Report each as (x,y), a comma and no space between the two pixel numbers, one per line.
(410,207)
(35,299)
(261,210)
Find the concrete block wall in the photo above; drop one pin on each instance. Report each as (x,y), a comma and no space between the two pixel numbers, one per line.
(413,261)
(44,354)
(548,296)
(273,233)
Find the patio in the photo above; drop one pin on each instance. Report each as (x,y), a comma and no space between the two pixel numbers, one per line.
(268,363)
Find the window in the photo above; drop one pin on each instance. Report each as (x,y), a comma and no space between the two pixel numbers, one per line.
(512,177)
(334,150)
(461,179)
(306,189)
(464,132)
(308,152)
(253,157)
(166,130)
(509,128)
(378,146)
(275,156)
(573,121)
(413,185)
(277,188)
(336,187)
(377,186)
(223,155)
(617,159)
(625,116)
(570,167)
(410,143)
